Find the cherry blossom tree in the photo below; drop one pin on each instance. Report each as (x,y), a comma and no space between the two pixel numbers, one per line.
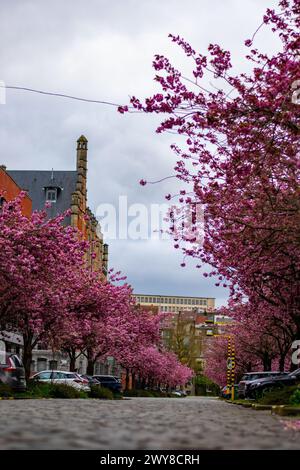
(238,158)
(41,272)
(160,367)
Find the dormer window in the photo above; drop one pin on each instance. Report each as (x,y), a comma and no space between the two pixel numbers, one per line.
(51,194)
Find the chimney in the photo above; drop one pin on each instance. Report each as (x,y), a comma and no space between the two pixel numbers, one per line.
(82,166)
(82,155)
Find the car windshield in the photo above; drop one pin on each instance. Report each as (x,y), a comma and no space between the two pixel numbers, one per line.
(16,360)
(295,372)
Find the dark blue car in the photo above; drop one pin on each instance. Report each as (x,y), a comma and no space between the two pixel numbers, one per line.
(109,381)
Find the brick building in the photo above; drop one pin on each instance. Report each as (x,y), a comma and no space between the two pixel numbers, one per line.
(64,190)
(9,190)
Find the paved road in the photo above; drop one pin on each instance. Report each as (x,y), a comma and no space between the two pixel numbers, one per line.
(140,423)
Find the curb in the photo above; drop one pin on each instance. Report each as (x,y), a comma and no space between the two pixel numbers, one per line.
(285,410)
(281,410)
(261,407)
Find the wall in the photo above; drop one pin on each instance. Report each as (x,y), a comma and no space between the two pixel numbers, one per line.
(10,190)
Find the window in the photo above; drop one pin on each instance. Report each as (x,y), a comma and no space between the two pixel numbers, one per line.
(70,376)
(51,194)
(41,364)
(44,376)
(53,364)
(2,201)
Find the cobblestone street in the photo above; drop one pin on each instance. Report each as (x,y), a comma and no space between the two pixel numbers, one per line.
(140,423)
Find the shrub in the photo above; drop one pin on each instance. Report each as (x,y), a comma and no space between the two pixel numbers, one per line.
(205,386)
(65,391)
(101,393)
(37,389)
(5,391)
(281,396)
(295,398)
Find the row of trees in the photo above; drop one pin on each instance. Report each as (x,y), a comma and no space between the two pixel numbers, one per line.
(48,295)
(238,157)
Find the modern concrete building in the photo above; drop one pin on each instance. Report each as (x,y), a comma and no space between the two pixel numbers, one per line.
(176,303)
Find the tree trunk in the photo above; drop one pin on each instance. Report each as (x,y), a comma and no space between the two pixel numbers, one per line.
(90,363)
(90,367)
(27,354)
(127,379)
(267,362)
(72,356)
(282,362)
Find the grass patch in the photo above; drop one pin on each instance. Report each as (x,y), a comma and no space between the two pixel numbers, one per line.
(102,393)
(6,391)
(281,396)
(295,398)
(37,390)
(50,390)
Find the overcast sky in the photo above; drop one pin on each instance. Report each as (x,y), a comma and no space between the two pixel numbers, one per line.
(103,50)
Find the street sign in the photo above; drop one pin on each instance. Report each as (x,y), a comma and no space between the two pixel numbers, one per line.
(230,363)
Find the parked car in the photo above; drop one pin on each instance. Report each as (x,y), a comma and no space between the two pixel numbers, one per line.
(248,378)
(62,377)
(179,393)
(90,379)
(260,387)
(109,381)
(12,372)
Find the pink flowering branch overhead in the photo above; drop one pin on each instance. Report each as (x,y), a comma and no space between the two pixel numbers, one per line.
(239,151)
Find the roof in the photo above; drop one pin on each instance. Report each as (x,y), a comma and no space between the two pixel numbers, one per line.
(82,138)
(35,182)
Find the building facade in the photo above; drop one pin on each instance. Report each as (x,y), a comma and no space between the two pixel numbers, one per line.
(176,303)
(67,190)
